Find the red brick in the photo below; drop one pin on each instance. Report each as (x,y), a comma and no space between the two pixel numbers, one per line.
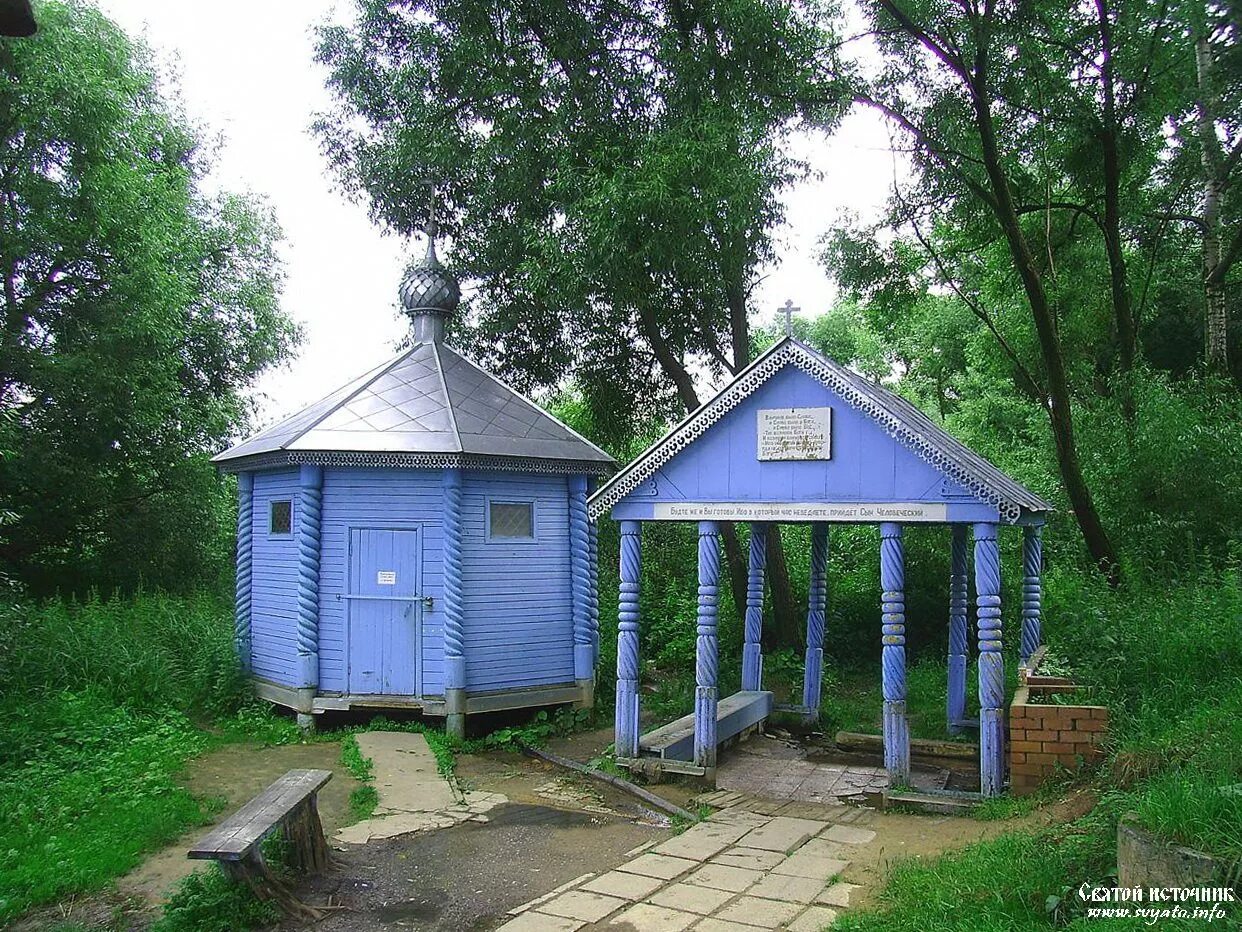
(1060,747)
(1091,724)
(1043,736)
(1100,712)
(1017,757)
(1040,758)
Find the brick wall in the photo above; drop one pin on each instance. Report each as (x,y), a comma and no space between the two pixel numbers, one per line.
(1043,736)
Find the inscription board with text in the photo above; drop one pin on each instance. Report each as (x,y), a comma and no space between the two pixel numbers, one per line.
(795,434)
(863,512)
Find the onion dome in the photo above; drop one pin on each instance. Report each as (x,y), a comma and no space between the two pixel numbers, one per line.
(428,287)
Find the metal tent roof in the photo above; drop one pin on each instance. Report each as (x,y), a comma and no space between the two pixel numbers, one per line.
(898,417)
(430,406)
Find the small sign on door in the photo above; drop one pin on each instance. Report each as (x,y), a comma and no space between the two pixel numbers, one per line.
(386,578)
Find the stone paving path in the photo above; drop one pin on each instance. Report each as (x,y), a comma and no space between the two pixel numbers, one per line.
(776,769)
(413,794)
(738,871)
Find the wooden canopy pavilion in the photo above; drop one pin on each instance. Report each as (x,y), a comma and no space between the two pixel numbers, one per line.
(797,438)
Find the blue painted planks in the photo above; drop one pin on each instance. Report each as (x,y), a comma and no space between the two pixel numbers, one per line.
(394,499)
(274,580)
(734,714)
(518,625)
(517,596)
(867,465)
(384,612)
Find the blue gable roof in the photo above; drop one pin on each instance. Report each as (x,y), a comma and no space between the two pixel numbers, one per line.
(884,452)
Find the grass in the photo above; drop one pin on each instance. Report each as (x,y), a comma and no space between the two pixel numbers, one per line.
(87,794)
(103,702)
(1003,883)
(1177,741)
(208,901)
(362,799)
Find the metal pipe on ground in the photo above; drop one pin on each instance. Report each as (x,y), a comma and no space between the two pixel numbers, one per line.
(651,799)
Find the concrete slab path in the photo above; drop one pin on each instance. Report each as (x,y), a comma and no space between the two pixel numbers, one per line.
(413,795)
(738,871)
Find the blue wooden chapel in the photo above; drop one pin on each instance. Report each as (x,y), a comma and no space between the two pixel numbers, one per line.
(795,437)
(418,539)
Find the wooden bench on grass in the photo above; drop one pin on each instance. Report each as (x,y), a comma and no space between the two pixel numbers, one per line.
(236,843)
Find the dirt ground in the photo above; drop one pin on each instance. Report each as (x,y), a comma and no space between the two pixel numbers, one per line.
(555,827)
(234,773)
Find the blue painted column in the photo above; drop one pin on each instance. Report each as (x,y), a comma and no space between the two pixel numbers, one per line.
(752,649)
(706,663)
(580,585)
(626,736)
(991,664)
(893,582)
(245,551)
(1032,573)
(955,705)
(454,613)
(817,604)
(593,602)
(310,519)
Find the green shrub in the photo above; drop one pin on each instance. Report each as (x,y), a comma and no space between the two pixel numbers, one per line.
(86,789)
(149,651)
(208,901)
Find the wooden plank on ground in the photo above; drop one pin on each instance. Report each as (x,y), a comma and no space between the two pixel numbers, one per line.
(853,741)
(236,835)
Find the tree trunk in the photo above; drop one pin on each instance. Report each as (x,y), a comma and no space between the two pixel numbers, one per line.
(738,562)
(1060,409)
(786,629)
(1123,311)
(679,375)
(1216,320)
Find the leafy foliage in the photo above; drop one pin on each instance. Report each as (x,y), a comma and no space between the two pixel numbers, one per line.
(87,789)
(136,309)
(208,901)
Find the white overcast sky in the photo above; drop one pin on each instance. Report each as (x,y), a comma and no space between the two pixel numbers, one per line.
(245,73)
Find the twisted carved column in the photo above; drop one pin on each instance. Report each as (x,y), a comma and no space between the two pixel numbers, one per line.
(705,658)
(593,599)
(309,519)
(893,581)
(752,651)
(991,664)
(454,614)
(955,708)
(817,603)
(580,578)
(245,551)
(626,736)
(1032,571)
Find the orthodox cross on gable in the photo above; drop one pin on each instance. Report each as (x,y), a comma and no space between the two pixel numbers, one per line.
(789,310)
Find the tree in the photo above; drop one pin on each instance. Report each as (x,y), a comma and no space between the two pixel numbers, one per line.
(1026,122)
(135,311)
(1216,131)
(610,174)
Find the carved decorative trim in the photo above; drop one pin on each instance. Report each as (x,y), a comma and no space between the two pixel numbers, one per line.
(746,384)
(419,461)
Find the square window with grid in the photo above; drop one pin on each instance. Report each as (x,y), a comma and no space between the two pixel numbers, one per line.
(511,520)
(281,521)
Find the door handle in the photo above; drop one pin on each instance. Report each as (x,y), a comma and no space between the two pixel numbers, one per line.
(428,603)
